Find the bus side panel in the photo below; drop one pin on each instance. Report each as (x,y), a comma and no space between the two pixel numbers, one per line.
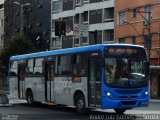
(64,89)
(36,84)
(13,86)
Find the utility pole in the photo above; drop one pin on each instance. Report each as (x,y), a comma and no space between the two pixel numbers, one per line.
(148,20)
(148,43)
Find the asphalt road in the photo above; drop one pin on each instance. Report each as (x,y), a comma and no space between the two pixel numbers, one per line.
(42,112)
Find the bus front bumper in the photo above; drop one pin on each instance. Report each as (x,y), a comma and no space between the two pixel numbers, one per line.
(126,104)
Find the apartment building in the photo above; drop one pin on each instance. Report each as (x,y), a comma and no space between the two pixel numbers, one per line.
(138,22)
(33,20)
(96,14)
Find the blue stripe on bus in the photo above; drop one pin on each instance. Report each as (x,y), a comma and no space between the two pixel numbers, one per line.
(67,51)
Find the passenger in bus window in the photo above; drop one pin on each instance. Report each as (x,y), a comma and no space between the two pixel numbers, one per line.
(110,70)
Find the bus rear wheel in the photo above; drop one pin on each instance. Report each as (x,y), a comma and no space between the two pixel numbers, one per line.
(29,97)
(80,104)
(120,111)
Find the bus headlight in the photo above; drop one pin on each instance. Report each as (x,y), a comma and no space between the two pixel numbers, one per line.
(146,93)
(108,94)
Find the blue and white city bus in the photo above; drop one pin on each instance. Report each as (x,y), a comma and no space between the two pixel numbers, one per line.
(106,76)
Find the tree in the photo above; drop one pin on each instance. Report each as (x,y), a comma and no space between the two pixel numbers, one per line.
(18,45)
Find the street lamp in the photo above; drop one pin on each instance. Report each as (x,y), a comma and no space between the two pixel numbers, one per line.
(21,14)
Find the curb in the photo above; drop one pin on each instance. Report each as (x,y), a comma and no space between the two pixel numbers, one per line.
(154,100)
(3,99)
(6,105)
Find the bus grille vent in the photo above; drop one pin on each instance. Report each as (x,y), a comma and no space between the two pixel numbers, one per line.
(128,102)
(128,91)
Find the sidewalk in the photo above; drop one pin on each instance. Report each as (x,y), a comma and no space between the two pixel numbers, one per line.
(12,101)
(15,100)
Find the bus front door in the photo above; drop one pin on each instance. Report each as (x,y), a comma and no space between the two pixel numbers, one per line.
(94,82)
(21,80)
(49,81)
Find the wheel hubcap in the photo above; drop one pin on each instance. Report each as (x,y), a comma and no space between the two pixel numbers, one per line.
(29,99)
(80,104)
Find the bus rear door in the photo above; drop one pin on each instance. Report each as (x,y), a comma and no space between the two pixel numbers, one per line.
(21,80)
(49,81)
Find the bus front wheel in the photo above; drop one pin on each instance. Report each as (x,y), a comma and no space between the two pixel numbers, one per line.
(120,111)
(80,104)
(29,97)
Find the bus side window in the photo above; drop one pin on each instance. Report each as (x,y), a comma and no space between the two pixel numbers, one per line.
(64,65)
(13,68)
(38,68)
(79,64)
(29,68)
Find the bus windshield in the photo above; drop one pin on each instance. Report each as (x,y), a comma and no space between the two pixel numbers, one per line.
(125,67)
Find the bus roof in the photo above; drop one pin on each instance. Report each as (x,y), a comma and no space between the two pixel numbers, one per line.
(67,51)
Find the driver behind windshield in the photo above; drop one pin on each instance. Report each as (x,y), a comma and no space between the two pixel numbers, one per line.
(121,69)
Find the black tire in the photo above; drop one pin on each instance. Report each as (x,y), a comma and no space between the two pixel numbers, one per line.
(80,104)
(29,97)
(120,111)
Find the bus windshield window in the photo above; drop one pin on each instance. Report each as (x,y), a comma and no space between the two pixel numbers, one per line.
(125,71)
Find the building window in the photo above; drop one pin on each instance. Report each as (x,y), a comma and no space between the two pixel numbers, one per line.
(95,16)
(78,2)
(134,13)
(108,14)
(76,19)
(53,24)
(94,1)
(69,23)
(133,40)
(147,15)
(56,43)
(146,41)
(121,40)
(76,41)
(85,17)
(57,6)
(67,41)
(93,40)
(84,40)
(122,18)
(108,36)
(67,5)
(85,1)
